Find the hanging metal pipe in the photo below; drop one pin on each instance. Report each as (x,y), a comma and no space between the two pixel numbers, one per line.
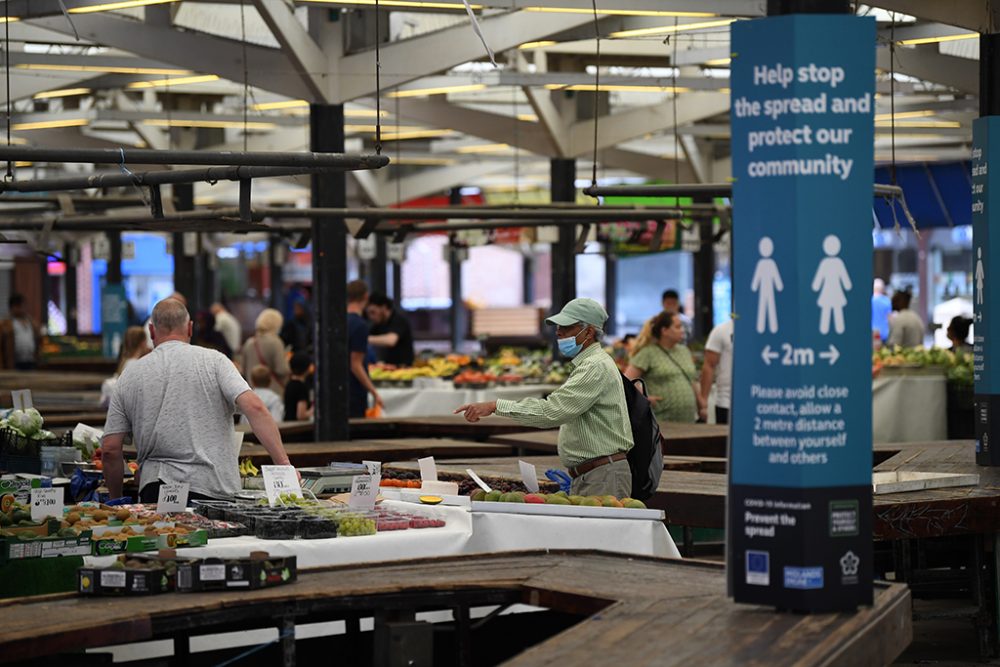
(678,190)
(127,156)
(589,213)
(167,176)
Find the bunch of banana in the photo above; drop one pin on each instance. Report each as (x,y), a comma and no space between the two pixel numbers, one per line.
(248,469)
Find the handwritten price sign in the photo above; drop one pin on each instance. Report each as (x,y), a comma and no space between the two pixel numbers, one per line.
(172,498)
(280,480)
(46,503)
(364,489)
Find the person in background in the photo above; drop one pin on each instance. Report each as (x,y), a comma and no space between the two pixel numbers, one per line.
(206,335)
(881,307)
(906,329)
(21,337)
(178,403)
(266,349)
(958,334)
(298,406)
(390,331)
(260,381)
(133,347)
(718,368)
(176,296)
(595,433)
(227,325)
(671,302)
(666,364)
(298,330)
(360,385)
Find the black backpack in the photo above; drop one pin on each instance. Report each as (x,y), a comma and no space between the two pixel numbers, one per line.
(646,456)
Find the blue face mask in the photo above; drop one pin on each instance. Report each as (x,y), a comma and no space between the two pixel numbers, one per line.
(568,347)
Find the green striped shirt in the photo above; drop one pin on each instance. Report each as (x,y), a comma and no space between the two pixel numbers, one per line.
(589,409)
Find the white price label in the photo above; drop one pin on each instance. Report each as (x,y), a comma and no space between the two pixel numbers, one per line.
(46,503)
(280,480)
(428,469)
(528,476)
(364,489)
(21,399)
(172,498)
(478,480)
(373,467)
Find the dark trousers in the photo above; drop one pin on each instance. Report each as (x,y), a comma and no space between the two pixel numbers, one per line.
(151,493)
(721,415)
(25,365)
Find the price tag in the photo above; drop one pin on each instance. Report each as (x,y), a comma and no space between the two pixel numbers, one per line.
(279,480)
(46,503)
(21,398)
(428,469)
(475,478)
(528,476)
(172,498)
(364,489)
(374,467)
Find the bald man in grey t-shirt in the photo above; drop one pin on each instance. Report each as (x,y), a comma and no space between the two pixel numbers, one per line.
(178,403)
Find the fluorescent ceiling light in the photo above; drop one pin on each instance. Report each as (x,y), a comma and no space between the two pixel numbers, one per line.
(50,124)
(415,134)
(385,128)
(423,161)
(417,4)
(441,90)
(215,124)
(935,40)
(286,104)
(104,69)
(11,19)
(663,30)
(364,113)
(527,117)
(719,62)
(619,12)
(201,78)
(538,44)
(624,88)
(483,148)
(111,6)
(906,124)
(903,114)
(65,92)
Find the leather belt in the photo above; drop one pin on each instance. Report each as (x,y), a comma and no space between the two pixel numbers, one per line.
(587,466)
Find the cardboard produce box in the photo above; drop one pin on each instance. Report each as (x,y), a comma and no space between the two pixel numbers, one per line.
(260,570)
(108,546)
(150,576)
(13,548)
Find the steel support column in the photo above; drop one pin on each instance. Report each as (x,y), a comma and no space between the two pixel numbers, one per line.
(989,75)
(71,256)
(275,256)
(563,187)
(184,272)
(528,279)
(114,272)
(779,7)
(610,290)
(329,250)
(456,314)
(377,267)
(704,277)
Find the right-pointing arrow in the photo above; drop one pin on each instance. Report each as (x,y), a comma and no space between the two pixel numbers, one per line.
(767,355)
(832,355)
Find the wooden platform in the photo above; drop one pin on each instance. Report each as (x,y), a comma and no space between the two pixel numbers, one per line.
(679,440)
(321,453)
(634,611)
(454,426)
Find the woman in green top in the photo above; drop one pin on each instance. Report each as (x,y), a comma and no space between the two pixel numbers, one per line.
(668,369)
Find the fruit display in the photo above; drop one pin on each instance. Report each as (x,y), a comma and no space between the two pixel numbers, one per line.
(509,366)
(259,570)
(956,365)
(129,575)
(248,469)
(466,485)
(400,483)
(557,498)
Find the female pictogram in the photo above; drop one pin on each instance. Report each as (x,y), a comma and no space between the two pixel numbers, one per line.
(831,281)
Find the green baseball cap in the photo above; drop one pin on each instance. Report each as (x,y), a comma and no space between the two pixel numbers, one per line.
(583,310)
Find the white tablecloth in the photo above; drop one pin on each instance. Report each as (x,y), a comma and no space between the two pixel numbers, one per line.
(909,408)
(465,533)
(445,398)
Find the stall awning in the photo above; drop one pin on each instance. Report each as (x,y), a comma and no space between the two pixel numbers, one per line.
(939,194)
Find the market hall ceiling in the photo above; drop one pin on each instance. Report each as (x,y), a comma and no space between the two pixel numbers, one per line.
(167,74)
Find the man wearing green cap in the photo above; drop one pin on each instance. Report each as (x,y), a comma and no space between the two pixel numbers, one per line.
(589,408)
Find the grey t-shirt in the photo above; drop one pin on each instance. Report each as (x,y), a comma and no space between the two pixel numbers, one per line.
(178,403)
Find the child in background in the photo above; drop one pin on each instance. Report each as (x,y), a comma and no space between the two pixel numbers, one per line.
(298,407)
(260,380)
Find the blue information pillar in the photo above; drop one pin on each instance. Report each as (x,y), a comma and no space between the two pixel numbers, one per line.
(800,494)
(986,242)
